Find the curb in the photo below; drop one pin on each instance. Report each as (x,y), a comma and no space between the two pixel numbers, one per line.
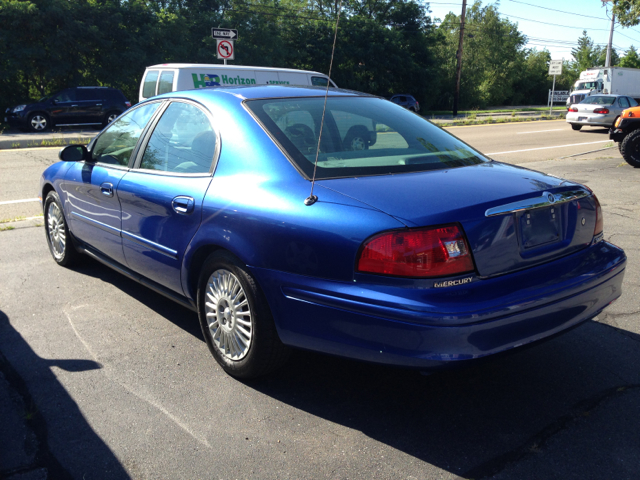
(44,142)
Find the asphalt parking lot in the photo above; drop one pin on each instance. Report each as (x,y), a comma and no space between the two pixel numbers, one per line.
(106,379)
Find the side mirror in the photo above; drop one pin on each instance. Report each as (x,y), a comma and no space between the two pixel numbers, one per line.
(73,153)
(54,102)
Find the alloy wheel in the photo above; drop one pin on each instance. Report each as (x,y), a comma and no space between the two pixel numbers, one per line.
(228,314)
(38,122)
(56,230)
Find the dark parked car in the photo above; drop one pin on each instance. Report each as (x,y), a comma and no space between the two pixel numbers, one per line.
(406,101)
(417,251)
(69,107)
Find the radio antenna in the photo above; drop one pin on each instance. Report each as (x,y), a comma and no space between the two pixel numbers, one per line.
(311,199)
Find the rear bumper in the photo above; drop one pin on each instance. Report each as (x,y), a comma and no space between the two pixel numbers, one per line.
(428,328)
(592,119)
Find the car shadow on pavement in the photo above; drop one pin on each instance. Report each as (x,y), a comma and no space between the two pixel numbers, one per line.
(538,413)
(549,411)
(182,317)
(41,427)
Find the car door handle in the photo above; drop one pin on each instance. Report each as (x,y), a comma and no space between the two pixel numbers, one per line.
(74,105)
(107,189)
(98,104)
(183,204)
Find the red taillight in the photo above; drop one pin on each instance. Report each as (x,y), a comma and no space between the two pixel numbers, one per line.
(599,218)
(426,252)
(573,109)
(601,110)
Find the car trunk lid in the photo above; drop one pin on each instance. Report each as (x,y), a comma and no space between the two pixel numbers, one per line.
(513,217)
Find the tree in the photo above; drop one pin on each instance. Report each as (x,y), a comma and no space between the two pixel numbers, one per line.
(627,12)
(631,58)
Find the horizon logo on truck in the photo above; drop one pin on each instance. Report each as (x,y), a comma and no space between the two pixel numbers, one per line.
(212,80)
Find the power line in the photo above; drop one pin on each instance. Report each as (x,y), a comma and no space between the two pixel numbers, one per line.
(553,24)
(561,11)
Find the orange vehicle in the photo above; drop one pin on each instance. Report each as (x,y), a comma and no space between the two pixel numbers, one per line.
(626,133)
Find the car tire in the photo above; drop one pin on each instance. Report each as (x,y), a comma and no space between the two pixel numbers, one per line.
(57,231)
(38,122)
(235,319)
(630,148)
(356,139)
(575,126)
(110,117)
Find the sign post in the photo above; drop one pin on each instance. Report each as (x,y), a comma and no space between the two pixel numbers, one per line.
(225,42)
(555,68)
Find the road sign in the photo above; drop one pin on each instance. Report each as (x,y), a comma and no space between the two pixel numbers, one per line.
(225,49)
(555,67)
(228,33)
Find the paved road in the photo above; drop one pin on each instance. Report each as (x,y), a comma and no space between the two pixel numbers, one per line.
(532,141)
(119,381)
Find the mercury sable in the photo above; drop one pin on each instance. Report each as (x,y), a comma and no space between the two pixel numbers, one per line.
(414,249)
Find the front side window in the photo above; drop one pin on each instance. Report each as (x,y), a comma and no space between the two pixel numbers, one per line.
(319,81)
(182,142)
(360,136)
(149,85)
(115,145)
(68,95)
(632,102)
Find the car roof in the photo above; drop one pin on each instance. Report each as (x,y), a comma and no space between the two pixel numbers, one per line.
(264,91)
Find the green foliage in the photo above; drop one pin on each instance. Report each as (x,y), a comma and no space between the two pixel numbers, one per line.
(383,47)
(631,59)
(627,12)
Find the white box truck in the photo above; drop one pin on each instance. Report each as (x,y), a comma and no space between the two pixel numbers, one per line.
(171,77)
(614,80)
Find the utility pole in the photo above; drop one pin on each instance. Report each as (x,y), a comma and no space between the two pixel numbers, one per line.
(459,57)
(607,62)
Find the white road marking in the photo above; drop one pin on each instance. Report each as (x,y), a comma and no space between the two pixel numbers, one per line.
(547,148)
(541,131)
(26,200)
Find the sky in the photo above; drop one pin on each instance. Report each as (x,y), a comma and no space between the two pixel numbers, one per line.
(555,25)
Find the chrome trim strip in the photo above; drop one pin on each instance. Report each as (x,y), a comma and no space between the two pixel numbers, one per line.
(75,124)
(545,200)
(153,246)
(95,223)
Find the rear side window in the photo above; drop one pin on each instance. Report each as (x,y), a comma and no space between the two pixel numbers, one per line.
(165,84)
(361,136)
(599,100)
(183,141)
(149,85)
(622,101)
(88,94)
(115,145)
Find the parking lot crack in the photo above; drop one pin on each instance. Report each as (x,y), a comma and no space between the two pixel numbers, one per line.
(535,444)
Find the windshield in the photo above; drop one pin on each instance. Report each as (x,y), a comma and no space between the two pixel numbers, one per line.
(361,136)
(587,85)
(599,100)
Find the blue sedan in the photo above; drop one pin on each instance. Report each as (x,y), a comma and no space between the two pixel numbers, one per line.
(349,226)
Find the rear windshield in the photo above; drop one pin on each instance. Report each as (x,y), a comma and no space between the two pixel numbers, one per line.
(599,100)
(361,136)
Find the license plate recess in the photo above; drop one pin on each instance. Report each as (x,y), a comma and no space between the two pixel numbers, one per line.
(540,226)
